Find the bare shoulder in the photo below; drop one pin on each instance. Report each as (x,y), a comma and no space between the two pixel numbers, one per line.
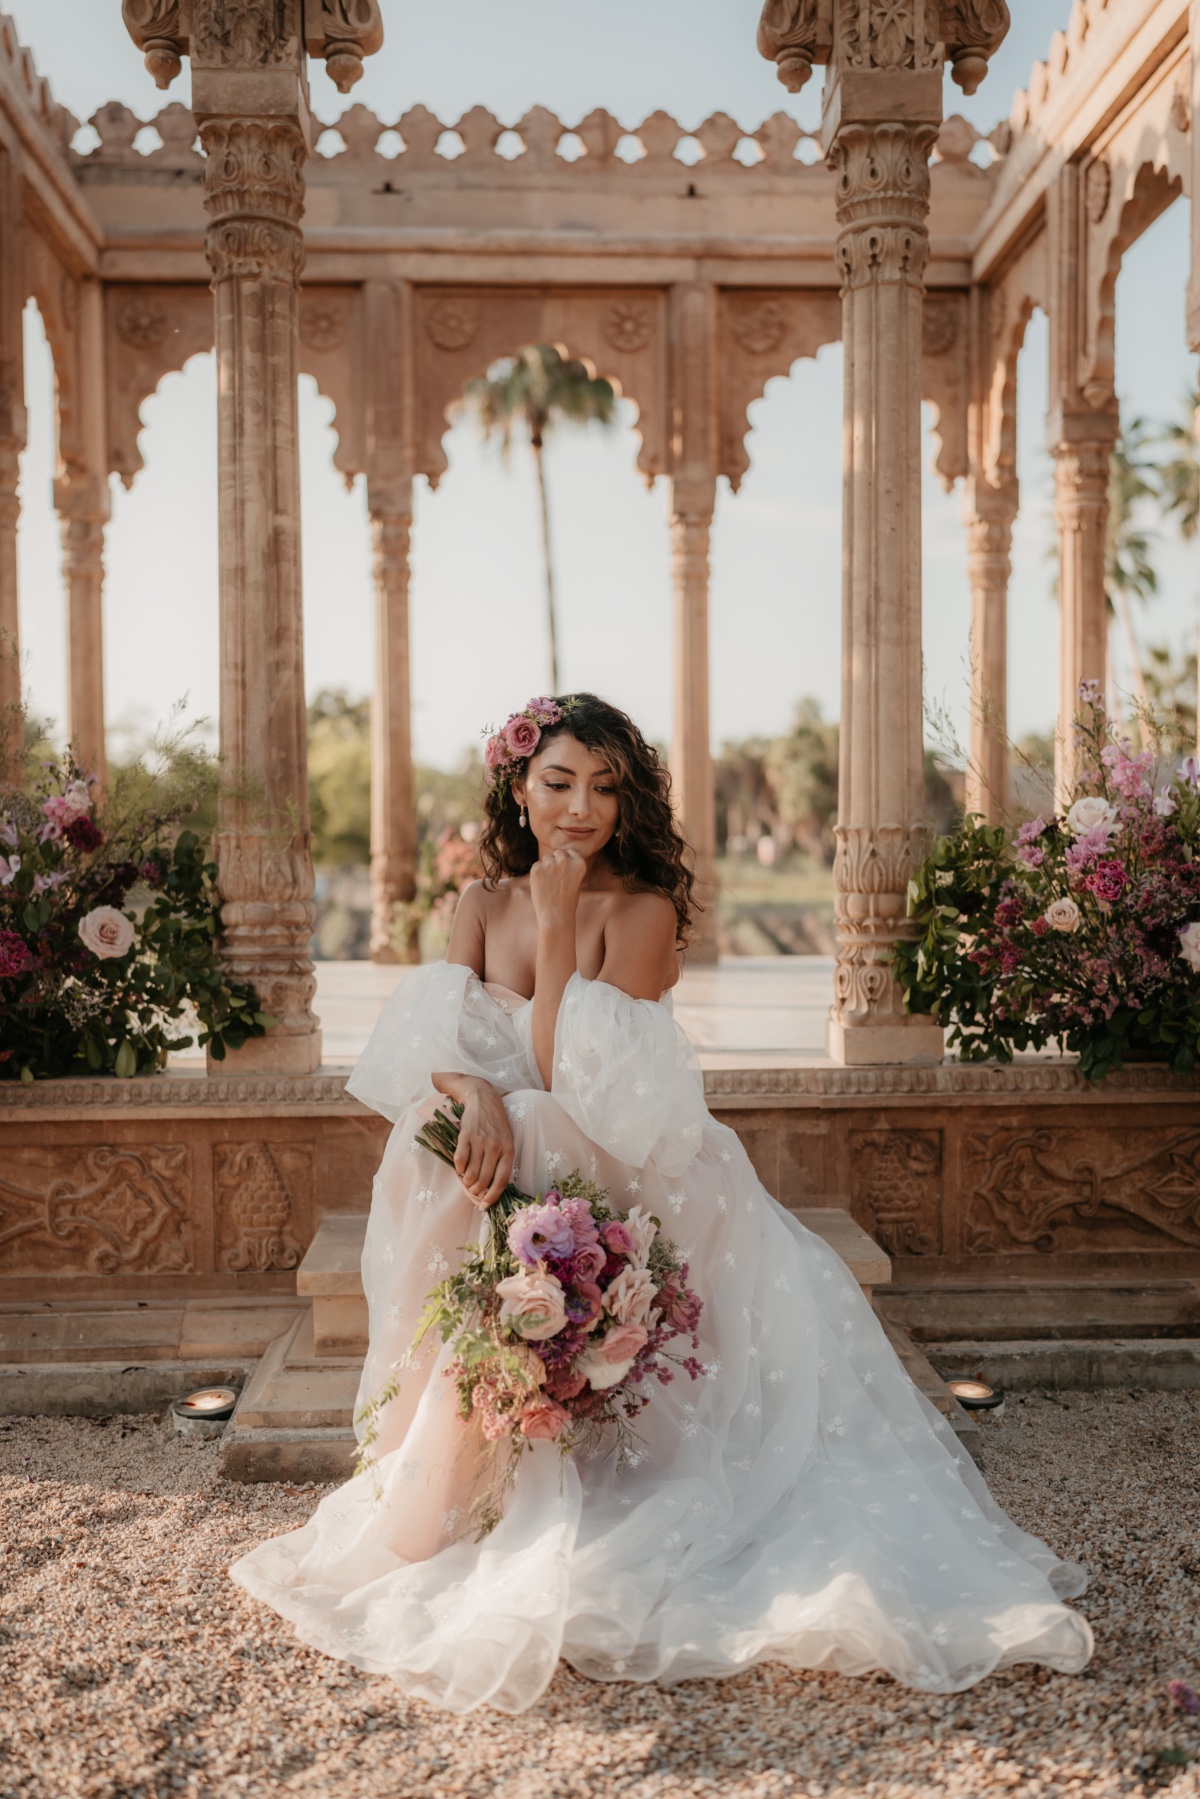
(645,911)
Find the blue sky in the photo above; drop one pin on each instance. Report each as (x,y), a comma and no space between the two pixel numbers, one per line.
(478,640)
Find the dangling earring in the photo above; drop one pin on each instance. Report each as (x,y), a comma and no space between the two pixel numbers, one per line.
(522,818)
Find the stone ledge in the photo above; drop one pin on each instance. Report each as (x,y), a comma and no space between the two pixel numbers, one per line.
(773,1081)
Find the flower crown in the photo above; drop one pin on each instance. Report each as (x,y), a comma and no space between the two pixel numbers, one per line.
(518,738)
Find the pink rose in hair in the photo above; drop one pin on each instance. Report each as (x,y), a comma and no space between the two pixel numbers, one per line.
(495,753)
(521,735)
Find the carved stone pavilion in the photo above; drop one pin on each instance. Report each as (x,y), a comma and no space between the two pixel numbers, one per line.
(690,284)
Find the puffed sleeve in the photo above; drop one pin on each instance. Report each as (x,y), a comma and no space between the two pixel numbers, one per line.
(439,1021)
(627,1075)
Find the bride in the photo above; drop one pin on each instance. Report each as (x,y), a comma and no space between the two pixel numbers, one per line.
(802,1503)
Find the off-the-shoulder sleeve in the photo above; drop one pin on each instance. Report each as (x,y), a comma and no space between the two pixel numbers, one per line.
(627,1075)
(439,1021)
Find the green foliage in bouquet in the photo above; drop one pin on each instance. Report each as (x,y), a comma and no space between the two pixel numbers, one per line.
(108,923)
(1081,929)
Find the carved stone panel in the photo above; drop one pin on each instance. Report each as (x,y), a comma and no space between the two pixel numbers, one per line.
(760,335)
(1037,1190)
(151,331)
(460,332)
(896,1188)
(100,1210)
(946,370)
(331,351)
(262,1196)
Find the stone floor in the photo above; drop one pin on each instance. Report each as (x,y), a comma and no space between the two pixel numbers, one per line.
(765,1010)
(132,1668)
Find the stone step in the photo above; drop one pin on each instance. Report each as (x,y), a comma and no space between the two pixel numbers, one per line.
(925,1377)
(1123,1365)
(124,1331)
(331,1273)
(294,1420)
(1041,1309)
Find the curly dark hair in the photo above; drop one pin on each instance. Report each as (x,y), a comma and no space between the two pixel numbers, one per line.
(647,849)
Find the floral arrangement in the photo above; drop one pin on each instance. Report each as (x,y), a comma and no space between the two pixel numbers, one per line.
(559,1321)
(443,870)
(518,738)
(1081,929)
(108,920)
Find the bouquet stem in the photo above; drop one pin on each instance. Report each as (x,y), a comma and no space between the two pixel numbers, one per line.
(440,1137)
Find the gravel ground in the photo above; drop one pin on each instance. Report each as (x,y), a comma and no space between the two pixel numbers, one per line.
(131,1668)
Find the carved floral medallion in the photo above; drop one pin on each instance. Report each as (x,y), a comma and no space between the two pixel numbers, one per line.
(452,324)
(628,325)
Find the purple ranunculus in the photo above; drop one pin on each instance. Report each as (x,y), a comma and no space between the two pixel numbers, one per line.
(538,1232)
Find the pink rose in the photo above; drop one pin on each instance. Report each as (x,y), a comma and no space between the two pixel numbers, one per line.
(543,1420)
(617,1239)
(588,1262)
(566,1383)
(630,1296)
(532,1303)
(521,735)
(495,753)
(106,932)
(624,1343)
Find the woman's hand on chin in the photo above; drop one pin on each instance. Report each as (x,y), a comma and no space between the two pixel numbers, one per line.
(555,884)
(484,1158)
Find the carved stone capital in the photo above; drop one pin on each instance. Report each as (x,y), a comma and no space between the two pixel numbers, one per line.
(872,869)
(881,175)
(1081,473)
(343,32)
(794,34)
(254,195)
(973,31)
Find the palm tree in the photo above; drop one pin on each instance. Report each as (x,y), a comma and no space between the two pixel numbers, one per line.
(539,386)
(1128,568)
(1179,475)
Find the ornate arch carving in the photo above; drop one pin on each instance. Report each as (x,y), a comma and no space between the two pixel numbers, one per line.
(761,334)
(56,290)
(946,379)
(1011,303)
(459,332)
(1126,187)
(150,331)
(332,339)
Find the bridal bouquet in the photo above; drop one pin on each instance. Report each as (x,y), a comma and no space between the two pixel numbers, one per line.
(559,1322)
(1081,925)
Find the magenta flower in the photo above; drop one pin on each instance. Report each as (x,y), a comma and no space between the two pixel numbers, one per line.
(495,753)
(1185,1697)
(83,834)
(1030,830)
(617,1239)
(1106,881)
(15,954)
(1031,855)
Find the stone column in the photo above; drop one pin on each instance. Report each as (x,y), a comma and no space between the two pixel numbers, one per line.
(990,515)
(882,111)
(82,517)
(1082,426)
(250,99)
(12,442)
(1193,289)
(693,497)
(691,753)
(393,795)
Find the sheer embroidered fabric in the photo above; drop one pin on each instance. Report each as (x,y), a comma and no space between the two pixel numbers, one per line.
(803,1504)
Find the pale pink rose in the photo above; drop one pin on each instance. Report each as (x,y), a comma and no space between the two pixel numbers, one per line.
(495,753)
(532,1303)
(599,1372)
(642,1229)
(589,1261)
(617,1239)
(543,1420)
(624,1343)
(106,932)
(630,1296)
(1189,945)
(1092,813)
(1062,915)
(521,735)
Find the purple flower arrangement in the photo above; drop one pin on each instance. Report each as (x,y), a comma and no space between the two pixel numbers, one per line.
(559,1323)
(108,922)
(1080,928)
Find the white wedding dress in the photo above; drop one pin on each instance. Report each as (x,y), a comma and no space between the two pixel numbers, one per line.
(802,1504)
